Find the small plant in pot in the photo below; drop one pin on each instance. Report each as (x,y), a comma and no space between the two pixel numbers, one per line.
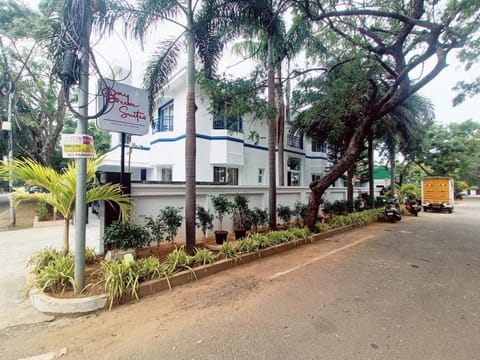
(222,207)
(284,213)
(172,220)
(240,210)
(204,220)
(261,217)
(299,210)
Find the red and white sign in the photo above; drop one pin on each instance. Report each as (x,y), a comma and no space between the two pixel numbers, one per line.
(127,110)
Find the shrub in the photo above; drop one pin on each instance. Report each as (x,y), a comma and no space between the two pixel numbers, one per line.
(55,276)
(321,227)
(204,256)
(262,216)
(90,255)
(171,220)
(149,268)
(155,227)
(228,250)
(284,213)
(125,236)
(205,220)
(178,259)
(121,279)
(42,211)
(41,259)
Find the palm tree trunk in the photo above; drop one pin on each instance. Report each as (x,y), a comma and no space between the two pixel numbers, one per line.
(66,234)
(272,186)
(281,128)
(190,141)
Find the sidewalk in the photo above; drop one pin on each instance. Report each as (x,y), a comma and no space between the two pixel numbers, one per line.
(16,247)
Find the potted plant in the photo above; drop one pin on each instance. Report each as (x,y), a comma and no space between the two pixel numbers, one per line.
(299,211)
(240,209)
(222,207)
(284,213)
(205,220)
(261,217)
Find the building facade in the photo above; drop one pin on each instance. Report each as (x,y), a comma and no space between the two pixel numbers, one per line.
(225,152)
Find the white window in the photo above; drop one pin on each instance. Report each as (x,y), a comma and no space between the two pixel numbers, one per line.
(294,166)
(261,172)
(165,118)
(224,174)
(166,174)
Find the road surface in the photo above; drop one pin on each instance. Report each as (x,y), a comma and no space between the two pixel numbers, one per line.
(407,290)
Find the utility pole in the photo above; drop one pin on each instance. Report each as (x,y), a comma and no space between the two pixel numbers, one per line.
(81,163)
(13,219)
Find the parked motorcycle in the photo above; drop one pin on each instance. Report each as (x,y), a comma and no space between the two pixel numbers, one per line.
(412,206)
(392,210)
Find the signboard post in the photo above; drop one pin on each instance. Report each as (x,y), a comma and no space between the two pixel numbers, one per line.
(126,113)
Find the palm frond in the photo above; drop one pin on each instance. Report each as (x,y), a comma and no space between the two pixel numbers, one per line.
(161,66)
(112,194)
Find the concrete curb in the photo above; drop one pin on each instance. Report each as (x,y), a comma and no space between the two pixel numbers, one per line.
(78,306)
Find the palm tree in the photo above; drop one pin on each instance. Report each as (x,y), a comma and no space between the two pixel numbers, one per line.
(401,129)
(60,189)
(198,37)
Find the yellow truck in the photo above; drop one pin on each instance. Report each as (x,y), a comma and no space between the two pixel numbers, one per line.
(437,193)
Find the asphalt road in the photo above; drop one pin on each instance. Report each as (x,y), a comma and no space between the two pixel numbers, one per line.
(408,290)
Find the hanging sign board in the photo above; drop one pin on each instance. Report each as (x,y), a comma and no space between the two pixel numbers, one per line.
(78,146)
(127,109)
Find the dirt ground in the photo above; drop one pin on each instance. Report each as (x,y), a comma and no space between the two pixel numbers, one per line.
(24,214)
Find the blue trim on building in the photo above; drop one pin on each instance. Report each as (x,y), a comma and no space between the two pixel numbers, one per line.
(230,138)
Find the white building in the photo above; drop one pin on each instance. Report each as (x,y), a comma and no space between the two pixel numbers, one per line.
(223,155)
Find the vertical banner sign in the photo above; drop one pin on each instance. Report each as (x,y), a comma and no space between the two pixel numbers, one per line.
(127,109)
(78,146)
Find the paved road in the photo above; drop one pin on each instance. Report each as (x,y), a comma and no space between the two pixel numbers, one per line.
(389,291)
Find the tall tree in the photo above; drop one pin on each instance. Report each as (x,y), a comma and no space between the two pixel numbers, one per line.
(38,106)
(198,36)
(403,38)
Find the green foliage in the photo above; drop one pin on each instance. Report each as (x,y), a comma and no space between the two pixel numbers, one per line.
(125,236)
(90,255)
(204,220)
(284,213)
(42,211)
(222,207)
(300,233)
(228,250)
(121,280)
(299,210)
(56,275)
(171,220)
(178,259)
(322,227)
(155,227)
(150,268)
(261,216)
(204,256)
(42,258)
(240,210)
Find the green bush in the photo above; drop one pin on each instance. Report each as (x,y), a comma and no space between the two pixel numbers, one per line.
(42,211)
(125,236)
(55,276)
(171,220)
(204,256)
(121,279)
(44,257)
